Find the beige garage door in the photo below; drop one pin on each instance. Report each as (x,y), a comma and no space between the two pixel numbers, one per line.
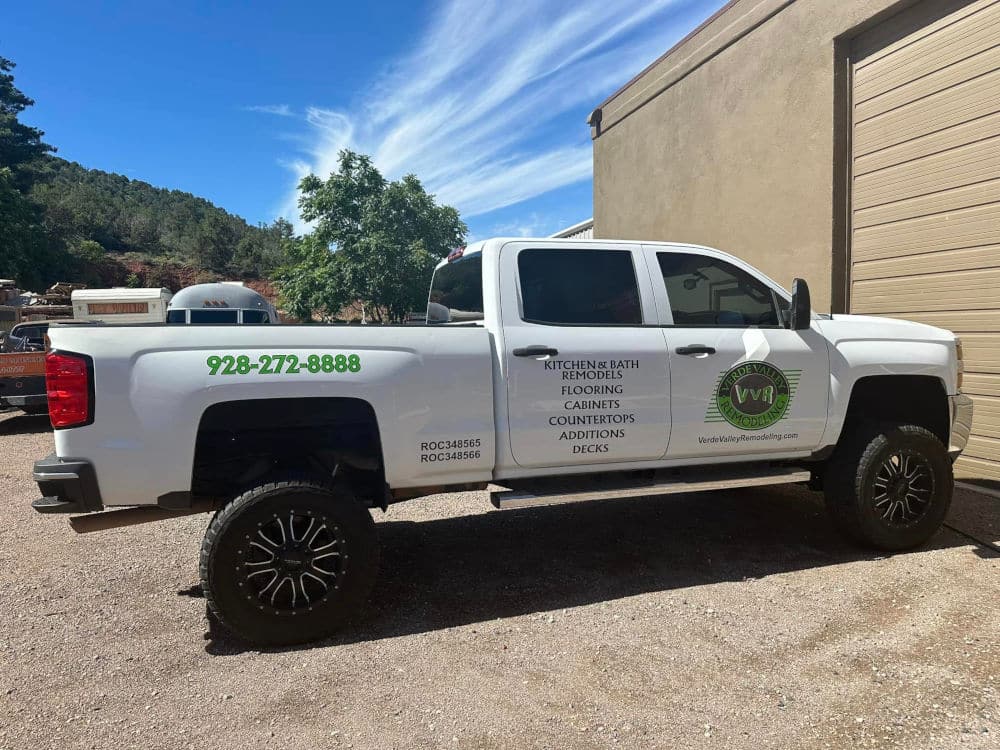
(925,189)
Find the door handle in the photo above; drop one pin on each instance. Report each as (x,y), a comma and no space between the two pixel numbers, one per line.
(535,351)
(695,349)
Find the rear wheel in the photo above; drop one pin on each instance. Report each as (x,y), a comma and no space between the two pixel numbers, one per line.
(889,486)
(288,562)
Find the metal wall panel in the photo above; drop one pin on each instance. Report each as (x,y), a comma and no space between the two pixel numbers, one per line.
(925,190)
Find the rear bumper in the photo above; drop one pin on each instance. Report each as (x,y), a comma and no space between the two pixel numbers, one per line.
(38,400)
(960,408)
(66,485)
(23,391)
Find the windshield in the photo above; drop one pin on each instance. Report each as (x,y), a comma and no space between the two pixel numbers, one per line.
(457,292)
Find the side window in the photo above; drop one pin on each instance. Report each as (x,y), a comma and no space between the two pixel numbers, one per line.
(705,291)
(579,287)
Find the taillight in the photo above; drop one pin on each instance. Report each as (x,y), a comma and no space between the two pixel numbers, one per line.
(67,382)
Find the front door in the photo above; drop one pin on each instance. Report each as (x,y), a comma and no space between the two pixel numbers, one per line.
(587,381)
(741,382)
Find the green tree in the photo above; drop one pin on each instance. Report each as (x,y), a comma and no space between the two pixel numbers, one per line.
(262,250)
(215,242)
(20,144)
(310,284)
(24,247)
(91,265)
(21,235)
(387,237)
(279,239)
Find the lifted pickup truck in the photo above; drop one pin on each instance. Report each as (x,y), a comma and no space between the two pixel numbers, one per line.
(560,370)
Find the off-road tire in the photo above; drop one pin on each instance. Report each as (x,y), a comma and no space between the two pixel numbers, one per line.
(855,485)
(234,596)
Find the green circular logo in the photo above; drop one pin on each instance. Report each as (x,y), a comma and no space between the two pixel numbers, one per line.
(753,395)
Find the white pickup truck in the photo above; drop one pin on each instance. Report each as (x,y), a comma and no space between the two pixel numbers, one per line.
(558,370)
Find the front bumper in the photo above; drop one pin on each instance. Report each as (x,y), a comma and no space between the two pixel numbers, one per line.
(960,408)
(67,486)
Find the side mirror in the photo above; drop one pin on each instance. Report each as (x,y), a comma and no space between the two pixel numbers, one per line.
(801,307)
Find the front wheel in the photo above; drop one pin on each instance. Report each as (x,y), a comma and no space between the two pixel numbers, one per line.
(889,486)
(287,562)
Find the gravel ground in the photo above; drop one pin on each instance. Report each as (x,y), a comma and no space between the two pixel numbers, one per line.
(722,620)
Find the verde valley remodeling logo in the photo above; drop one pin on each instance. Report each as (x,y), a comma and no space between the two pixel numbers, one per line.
(752,395)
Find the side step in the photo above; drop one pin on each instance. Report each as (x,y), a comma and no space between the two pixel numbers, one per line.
(577,489)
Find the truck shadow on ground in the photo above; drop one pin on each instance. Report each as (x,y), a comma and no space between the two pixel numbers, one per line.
(471,569)
(17,423)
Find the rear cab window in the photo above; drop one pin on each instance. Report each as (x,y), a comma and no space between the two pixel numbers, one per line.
(456,294)
(35,334)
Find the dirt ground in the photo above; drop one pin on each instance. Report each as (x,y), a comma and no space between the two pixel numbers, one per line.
(717,620)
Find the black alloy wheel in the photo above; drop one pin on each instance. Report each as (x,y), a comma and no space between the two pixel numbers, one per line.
(288,562)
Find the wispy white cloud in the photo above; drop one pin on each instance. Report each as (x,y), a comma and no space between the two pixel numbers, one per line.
(532,225)
(478,108)
(282,110)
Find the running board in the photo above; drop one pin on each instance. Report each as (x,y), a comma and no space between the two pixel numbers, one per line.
(526,496)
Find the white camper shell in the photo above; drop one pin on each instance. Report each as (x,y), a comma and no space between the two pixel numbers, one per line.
(121,305)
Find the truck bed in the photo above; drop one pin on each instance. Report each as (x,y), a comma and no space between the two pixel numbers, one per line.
(152,384)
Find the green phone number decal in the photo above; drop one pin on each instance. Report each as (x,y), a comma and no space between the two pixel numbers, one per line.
(282,364)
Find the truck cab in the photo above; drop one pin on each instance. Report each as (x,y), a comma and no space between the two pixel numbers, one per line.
(629,354)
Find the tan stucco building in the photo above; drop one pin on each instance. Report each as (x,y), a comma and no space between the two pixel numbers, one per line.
(854,143)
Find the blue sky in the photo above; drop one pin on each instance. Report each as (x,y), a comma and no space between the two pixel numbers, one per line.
(484,100)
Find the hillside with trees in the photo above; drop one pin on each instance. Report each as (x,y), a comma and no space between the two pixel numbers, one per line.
(374,246)
(62,221)
(120,225)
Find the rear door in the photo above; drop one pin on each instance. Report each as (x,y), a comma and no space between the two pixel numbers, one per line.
(586,366)
(741,382)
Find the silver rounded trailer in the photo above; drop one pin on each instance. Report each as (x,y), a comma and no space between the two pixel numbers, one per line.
(221,303)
